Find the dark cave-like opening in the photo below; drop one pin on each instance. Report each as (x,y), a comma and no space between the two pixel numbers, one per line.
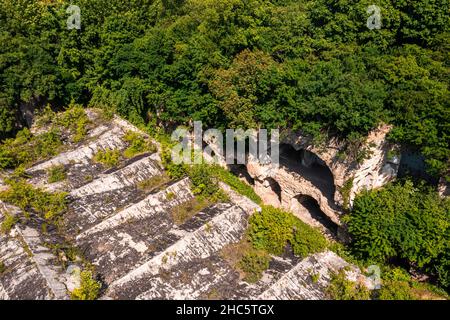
(311,206)
(275,186)
(309,166)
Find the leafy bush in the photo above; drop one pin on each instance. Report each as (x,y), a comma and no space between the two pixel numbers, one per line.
(173,170)
(307,240)
(89,288)
(254,263)
(138,144)
(56,174)
(340,288)
(27,197)
(273,229)
(235,183)
(395,286)
(109,157)
(75,120)
(402,221)
(26,148)
(8,222)
(203,182)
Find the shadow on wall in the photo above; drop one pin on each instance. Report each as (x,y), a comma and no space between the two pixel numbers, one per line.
(310,167)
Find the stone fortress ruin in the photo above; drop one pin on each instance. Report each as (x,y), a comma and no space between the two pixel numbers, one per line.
(139,252)
(316,184)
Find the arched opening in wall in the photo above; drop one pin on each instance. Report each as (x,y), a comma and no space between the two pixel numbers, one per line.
(307,208)
(275,187)
(309,166)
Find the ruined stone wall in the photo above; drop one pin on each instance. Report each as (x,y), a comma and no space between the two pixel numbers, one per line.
(373,172)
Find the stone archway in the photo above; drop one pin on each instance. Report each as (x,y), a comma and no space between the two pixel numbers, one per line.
(270,191)
(310,167)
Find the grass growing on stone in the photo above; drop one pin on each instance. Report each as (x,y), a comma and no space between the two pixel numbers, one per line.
(56,174)
(108,157)
(89,288)
(28,198)
(153,183)
(235,183)
(2,268)
(272,229)
(185,211)
(137,144)
(205,187)
(340,288)
(75,120)
(249,262)
(8,223)
(27,148)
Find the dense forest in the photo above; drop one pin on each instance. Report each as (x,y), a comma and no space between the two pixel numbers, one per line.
(309,65)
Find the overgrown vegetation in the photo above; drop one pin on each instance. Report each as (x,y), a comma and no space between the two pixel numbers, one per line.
(74,120)
(205,187)
(340,288)
(56,173)
(312,65)
(182,212)
(269,233)
(254,263)
(235,183)
(9,220)
(30,199)
(307,65)
(153,183)
(89,288)
(403,221)
(273,229)
(346,193)
(203,181)
(173,170)
(397,284)
(138,144)
(108,157)
(26,148)
(66,253)
(248,261)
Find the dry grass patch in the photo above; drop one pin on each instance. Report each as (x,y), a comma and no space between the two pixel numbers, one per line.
(153,183)
(249,262)
(185,211)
